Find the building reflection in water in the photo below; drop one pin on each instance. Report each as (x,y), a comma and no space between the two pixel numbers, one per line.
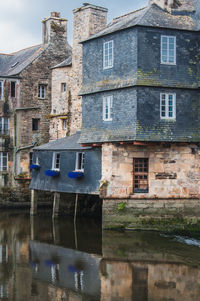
(49,261)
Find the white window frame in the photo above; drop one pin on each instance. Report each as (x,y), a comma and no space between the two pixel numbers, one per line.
(77,165)
(161,48)
(2,156)
(167,99)
(2,123)
(1,89)
(108,59)
(36,161)
(107,108)
(54,163)
(42,91)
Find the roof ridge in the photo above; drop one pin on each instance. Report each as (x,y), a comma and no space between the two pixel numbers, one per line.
(132,12)
(6,54)
(12,53)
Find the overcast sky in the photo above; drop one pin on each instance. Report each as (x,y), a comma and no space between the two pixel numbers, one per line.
(20,20)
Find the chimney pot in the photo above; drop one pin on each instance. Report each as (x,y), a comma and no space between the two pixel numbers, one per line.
(55,14)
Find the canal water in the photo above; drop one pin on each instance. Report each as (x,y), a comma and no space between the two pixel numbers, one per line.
(47,260)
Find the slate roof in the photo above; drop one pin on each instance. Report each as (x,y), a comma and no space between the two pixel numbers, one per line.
(152,16)
(65,63)
(66,143)
(12,64)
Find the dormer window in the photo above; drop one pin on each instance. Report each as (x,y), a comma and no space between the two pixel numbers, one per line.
(108,56)
(168,50)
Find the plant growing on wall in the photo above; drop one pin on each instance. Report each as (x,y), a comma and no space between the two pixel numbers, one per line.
(121,206)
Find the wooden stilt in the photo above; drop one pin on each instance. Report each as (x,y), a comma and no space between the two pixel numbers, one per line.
(75,213)
(75,210)
(34,200)
(56,205)
(34,227)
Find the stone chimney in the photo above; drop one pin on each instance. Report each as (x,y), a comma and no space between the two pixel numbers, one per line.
(180,5)
(54,27)
(88,20)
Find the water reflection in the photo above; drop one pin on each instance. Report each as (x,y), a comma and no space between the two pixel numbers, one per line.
(47,260)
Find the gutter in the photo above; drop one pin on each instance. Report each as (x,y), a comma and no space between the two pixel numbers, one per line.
(25,147)
(27,108)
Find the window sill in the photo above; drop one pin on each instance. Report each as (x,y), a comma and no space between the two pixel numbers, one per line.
(168,118)
(140,191)
(170,64)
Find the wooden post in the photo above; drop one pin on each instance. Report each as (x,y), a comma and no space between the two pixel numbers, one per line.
(56,205)
(34,200)
(75,213)
(75,210)
(34,227)
(56,233)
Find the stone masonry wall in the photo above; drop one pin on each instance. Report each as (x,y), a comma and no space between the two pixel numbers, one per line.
(174,186)
(61,103)
(88,20)
(38,72)
(174,170)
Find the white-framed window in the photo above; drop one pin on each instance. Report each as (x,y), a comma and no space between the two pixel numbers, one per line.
(168,50)
(107,108)
(80,160)
(108,54)
(63,87)
(4,125)
(42,91)
(56,161)
(1,89)
(3,161)
(167,106)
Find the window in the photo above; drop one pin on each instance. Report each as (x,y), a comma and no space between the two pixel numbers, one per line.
(140,175)
(108,56)
(107,108)
(167,106)
(30,159)
(42,91)
(3,161)
(63,87)
(4,125)
(1,90)
(64,124)
(80,160)
(168,50)
(13,89)
(56,161)
(35,124)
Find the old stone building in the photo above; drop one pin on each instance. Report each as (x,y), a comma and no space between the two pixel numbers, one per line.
(140,87)
(25,98)
(140,112)
(66,112)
